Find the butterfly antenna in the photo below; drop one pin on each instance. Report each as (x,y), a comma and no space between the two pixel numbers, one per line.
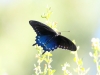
(34,44)
(65,31)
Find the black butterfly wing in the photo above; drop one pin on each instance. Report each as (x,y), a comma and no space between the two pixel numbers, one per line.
(41,29)
(65,43)
(45,36)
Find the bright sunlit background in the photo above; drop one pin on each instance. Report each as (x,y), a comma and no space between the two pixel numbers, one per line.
(17,55)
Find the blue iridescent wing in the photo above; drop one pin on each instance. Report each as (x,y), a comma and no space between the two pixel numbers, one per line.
(48,42)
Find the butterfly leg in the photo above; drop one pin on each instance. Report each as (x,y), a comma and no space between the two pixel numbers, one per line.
(43,52)
(34,44)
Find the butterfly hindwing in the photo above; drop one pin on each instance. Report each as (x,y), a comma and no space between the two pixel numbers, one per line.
(41,40)
(51,44)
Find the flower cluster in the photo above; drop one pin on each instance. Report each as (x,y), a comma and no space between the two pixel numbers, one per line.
(96,53)
(65,70)
(80,70)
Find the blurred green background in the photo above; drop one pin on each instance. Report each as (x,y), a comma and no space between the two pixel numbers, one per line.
(17,55)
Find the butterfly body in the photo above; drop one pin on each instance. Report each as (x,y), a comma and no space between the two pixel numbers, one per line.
(49,39)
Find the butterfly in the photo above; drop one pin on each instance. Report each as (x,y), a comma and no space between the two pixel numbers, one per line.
(48,39)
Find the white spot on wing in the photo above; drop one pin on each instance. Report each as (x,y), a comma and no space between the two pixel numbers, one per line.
(52,48)
(38,36)
(55,46)
(61,46)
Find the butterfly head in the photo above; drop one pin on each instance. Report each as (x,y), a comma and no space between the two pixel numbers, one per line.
(58,33)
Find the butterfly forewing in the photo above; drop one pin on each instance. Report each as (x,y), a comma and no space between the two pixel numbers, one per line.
(41,29)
